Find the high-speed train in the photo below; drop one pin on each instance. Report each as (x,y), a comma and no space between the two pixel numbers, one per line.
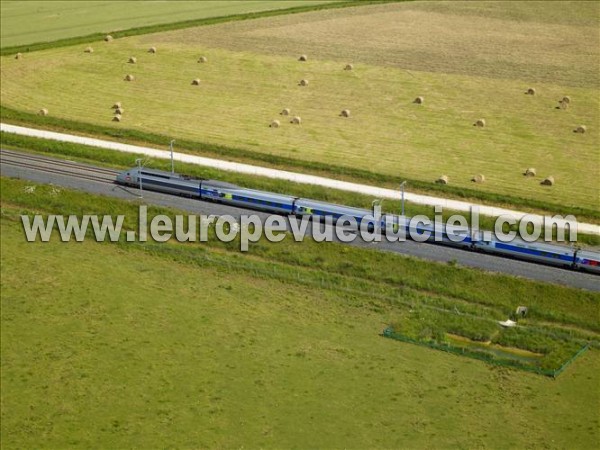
(230,194)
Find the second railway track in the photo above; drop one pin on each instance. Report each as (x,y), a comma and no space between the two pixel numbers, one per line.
(56,166)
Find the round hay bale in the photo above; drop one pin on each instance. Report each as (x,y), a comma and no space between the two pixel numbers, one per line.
(117,118)
(303,58)
(132,60)
(480,123)
(419,100)
(43,112)
(345,113)
(196,82)
(119,111)
(442,180)
(285,112)
(202,59)
(275,124)
(580,129)
(116,105)
(566,99)
(152,50)
(349,67)
(296,120)
(108,38)
(548,181)
(19,56)
(562,105)
(530,172)
(479,178)
(129,77)
(530,91)
(89,50)
(303,83)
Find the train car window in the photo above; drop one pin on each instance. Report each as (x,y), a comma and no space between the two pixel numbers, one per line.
(157,175)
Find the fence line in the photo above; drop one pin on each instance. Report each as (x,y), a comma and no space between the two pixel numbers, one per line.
(486,357)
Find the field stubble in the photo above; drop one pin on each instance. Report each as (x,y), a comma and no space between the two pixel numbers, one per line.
(464,68)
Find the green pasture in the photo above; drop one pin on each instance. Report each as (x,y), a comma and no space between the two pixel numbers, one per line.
(42,21)
(120,345)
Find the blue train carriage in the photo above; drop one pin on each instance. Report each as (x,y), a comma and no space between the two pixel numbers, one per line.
(393,224)
(453,236)
(221,192)
(161,181)
(308,207)
(588,261)
(227,193)
(556,255)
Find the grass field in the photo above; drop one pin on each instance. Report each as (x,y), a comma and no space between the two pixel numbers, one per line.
(199,346)
(157,349)
(252,74)
(38,21)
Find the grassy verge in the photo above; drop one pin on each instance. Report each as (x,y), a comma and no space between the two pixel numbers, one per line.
(122,160)
(136,31)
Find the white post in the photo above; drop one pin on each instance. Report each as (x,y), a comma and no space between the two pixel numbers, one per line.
(172,163)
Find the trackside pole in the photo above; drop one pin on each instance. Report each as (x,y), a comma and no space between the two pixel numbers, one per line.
(172,162)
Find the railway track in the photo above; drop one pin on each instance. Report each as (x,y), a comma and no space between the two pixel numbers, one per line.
(57,166)
(101,181)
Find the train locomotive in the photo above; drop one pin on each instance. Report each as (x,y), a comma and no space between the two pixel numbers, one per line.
(230,194)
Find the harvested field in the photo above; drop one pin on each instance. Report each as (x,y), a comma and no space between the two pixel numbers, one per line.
(467,38)
(407,140)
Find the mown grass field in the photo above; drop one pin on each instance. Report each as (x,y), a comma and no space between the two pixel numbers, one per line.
(252,74)
(39,21)
(194,346)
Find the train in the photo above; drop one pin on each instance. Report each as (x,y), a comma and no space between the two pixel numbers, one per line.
(231,194)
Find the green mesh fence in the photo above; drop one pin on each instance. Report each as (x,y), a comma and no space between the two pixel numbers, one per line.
(484,356)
